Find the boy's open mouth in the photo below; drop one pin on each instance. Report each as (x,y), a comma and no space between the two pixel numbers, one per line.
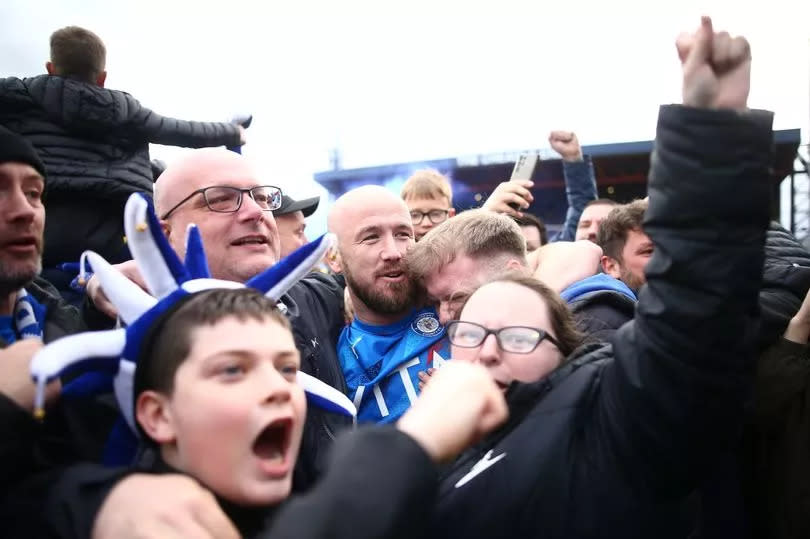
(273,440)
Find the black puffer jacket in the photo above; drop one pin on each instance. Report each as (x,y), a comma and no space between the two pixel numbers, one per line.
(610,444)
(785,282)
(95,146)
(315,310)
(599,314)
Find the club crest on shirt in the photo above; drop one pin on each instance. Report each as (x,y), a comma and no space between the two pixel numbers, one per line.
(427,325)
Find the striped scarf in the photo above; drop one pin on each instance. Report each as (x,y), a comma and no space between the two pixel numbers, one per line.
(29,316)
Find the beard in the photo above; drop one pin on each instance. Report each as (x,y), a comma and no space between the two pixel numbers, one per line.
(396,298)
(13,278)
(633,282)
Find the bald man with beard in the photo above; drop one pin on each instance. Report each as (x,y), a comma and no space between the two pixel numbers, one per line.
(391,338)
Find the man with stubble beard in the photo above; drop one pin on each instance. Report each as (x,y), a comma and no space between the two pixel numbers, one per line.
(390,340)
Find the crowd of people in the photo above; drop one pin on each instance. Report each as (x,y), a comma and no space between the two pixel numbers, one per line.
(416,372)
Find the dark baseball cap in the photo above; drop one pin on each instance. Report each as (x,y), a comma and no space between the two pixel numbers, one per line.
(289,205)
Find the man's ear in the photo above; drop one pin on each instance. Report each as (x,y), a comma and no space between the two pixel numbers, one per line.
(153,415)
(166,228)
(513,264)
(451,213)
(611,266)
(101,79)
(333,261)
(49,68)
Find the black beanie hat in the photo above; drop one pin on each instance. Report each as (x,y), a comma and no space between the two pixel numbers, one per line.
(13,147)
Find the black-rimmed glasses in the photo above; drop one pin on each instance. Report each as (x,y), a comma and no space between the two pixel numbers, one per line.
(226,199)
(515,339)
(435,216)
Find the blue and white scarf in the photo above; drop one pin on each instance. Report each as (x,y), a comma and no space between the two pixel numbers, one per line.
(29,316)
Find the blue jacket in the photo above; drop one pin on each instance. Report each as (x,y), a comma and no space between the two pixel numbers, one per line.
(580,188)
(596,283)
(600,305)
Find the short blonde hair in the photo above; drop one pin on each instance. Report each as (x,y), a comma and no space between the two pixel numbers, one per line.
(479,234)
(427,183)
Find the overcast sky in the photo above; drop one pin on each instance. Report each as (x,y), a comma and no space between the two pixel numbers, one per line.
(404,81)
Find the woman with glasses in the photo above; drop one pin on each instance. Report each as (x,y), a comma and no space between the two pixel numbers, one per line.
(516,327)
(609,439)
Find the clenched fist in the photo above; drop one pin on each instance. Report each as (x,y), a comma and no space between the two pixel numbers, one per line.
(459,406)
(566,144)
(716,68)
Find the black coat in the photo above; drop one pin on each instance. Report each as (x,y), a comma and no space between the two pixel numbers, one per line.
(315,310)
(94,143)
(600,313)
(611,443)
(786,280)
(776,454)
(26,445)
(380,483)
(777,445)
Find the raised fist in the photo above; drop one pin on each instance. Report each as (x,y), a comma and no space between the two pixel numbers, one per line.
(716,68)
(566,144)
(459,406)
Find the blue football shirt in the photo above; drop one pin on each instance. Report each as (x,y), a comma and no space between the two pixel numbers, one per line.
(381,363)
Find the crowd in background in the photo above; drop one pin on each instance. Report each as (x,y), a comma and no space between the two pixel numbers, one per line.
(177,360)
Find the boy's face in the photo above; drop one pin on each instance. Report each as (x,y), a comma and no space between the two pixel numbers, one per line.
(420,207)
(235,418)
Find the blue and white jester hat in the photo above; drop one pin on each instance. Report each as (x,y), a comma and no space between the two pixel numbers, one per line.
(169,281)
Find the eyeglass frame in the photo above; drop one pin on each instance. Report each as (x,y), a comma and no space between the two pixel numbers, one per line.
(544,335)
(241,190)
(423,214)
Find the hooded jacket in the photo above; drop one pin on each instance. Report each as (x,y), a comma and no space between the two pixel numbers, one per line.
(600,305)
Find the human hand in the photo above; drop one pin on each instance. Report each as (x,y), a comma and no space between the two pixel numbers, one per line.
(459,406)
(566,144)
(166,506)
(510,192)
(99,298)
(798,329)
(716,68)
(424,377)
(15,374)
(563,263)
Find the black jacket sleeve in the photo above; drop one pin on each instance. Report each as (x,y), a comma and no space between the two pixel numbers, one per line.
(17,439)
(90,109)
(58,503)
(783,376)
(380,483)
(674,396)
